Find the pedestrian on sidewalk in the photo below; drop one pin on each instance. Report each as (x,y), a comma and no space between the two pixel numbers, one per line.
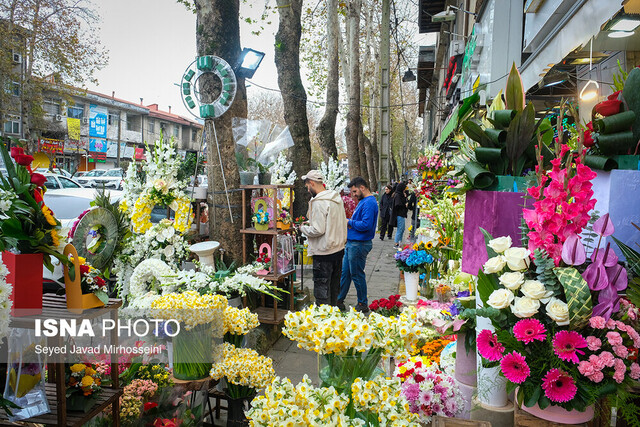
(412,205)
(399,212)
(326,232)
(361,229)
(385,213)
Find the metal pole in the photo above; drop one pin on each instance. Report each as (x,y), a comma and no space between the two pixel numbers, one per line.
(385,119)
(224,179)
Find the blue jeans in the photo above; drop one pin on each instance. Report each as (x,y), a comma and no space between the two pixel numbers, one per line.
(353,262)
(400,231)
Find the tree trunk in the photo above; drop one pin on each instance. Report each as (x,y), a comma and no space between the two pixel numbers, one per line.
(294,97)
(373,181)
(327,127)
(352,131)
(218,33)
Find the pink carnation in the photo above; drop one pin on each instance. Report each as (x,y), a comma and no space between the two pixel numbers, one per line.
(607,359)
(611,324)
(621,351)
(587,368)
(597,322)
(614,338)
(635,371)
(596,377)
(594,343)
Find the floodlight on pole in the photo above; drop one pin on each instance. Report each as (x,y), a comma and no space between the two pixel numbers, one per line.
(248,62)
(408,76)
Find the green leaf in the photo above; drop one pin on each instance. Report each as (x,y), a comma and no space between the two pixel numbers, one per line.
(486,285)
(102,296)
(534,397)
(12,227)
(514,93)
(519,135)
(475,132)
(543,402)
(487,238)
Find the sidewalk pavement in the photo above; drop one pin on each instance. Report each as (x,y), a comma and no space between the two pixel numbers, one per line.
(383,280)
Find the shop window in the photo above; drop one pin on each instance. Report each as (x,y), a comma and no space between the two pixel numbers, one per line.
(51,106)
(133,123)
(152,126)
(113,119)
(176,131)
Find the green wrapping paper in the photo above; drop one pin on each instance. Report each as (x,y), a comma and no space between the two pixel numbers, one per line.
(478,175)
(616,143)
(504,117)
(499,137)
(615,123)
(628,162)
(600,162)
(489,155)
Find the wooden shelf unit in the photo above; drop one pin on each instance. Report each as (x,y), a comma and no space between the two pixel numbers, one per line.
(268,315)
(55,306)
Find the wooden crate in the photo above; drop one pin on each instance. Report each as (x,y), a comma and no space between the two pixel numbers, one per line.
(438,421)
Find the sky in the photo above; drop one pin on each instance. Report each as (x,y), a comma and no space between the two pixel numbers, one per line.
(151,43)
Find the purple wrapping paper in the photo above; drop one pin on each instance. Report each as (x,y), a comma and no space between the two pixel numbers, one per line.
(618,193)
(499,213)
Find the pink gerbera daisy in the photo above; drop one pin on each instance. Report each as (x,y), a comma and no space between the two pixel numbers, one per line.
(566,345)
(514,367)
(559,386)
(529,330)
(488,345)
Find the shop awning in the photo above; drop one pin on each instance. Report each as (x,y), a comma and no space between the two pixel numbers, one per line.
(568,35)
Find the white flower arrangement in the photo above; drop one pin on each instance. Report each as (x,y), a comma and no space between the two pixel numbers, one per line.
(5,302)
(334,176)
(147,277)
(281,171)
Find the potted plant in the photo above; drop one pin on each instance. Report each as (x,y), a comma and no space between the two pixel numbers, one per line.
(28,230)
(264,174)
(246,167)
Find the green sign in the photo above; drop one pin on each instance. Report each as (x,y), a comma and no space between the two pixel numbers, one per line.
(451,125)
(469,50)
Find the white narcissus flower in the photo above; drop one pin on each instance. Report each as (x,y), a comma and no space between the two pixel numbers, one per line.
(525,307)
(517,258)
(558,311)
(169,251)
(512,280)
(536,290)
(500,244)
(494,265)
(500,298)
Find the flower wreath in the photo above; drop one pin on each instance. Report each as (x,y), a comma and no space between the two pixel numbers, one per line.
(147,272)
(141,215)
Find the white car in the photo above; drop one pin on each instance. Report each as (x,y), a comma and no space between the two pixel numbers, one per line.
(57,182)
(87,179)
(67,205)
(57,171)
(111,179)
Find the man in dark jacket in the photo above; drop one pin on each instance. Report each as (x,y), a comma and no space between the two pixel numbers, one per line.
(399,212)
(412,205)
(385,213)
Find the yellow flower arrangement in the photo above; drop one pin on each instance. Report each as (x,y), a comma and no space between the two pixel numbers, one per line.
(239,322)
(184,215)
(381,397)
(190,308)
(78,367)
(245,370)
(141,215)
(284,404)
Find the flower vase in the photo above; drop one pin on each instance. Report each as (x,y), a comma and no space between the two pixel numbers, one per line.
(246,178)
(411,281)
(192,352)
(25,274)
(466,363)
(558,414)
(340,371)
(236,408)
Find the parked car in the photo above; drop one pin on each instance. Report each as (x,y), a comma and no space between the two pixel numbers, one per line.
(57,171)
(87,179)
(111,179)
(78,174)
(56,182)
(67,204)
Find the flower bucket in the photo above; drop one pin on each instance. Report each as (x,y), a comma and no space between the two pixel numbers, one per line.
(261,227)
(411,281)
(283,226)
(264,178)
(560,415)
(25,274)
(236,409)
(192,352)
(466,366)
(246,178)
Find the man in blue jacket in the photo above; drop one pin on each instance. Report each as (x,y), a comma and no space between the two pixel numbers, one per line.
(361,229)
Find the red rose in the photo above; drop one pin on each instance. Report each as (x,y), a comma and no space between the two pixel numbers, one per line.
(609,107)
(16,150)
(38,179)
(418,378)
(100,282)
(23,159)
(374,305)
(84,269)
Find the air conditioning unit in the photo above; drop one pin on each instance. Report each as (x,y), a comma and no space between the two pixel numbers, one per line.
(17,58)
(57,118)
(85,120)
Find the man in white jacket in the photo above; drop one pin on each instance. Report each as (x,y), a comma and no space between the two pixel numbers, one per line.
(326,232)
